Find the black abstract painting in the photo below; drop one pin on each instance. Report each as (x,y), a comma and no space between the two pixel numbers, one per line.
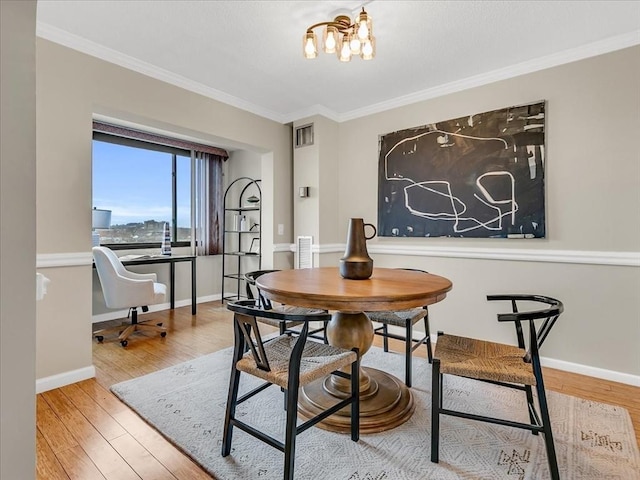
(479,176)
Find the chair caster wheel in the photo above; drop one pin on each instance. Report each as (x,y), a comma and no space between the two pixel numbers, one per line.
(99,338)
(124,343)
(163,334)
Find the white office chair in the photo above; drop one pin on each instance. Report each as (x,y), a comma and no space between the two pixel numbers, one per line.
(125,289)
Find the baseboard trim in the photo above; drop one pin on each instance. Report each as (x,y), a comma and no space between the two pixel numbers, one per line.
(119,314)
(589,371)
(61,379)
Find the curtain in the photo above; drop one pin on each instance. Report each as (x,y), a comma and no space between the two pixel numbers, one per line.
(155,138)
(208,203)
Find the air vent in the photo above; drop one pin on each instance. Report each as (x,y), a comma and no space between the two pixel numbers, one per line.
(304,257)
(304,136)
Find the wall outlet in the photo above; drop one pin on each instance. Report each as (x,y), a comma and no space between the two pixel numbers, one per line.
(280,229)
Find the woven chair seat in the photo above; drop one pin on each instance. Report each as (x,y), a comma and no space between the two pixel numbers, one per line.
(318,360)
(398,319)
(479,359)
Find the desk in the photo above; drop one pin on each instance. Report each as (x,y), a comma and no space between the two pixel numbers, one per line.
(385,402)
(171,260)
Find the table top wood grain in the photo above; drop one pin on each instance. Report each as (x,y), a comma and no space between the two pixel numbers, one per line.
(386,289)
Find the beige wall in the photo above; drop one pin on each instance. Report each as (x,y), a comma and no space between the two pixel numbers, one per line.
(593,111)
(593,200)
(316,166)
(17,239)
(71,88)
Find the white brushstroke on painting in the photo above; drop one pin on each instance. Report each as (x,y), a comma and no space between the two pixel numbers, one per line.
(458,207)
(439,132)
(511,201)
(531,155)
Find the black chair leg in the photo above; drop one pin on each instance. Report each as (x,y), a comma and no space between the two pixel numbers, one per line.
(408,351)
(290,433)
(385,339)
(548,436)
(436,399)
(231,411)
(355,402)
(532,418)
(326,340)
(428,339)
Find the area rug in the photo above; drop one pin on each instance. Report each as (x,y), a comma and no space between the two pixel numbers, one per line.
(186,404)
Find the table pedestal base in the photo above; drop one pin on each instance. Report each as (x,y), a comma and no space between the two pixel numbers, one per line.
(384,404)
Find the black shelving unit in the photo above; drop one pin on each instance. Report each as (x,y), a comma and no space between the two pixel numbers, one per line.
(241,244)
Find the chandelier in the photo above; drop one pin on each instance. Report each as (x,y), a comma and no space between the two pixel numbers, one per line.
(343,38)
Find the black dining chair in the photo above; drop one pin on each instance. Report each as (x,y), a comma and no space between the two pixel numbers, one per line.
(289,362)
(509,366)
(253,293)
(405,319)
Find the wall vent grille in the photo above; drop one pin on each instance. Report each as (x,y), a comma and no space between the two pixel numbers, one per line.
(304,136)
(304,256)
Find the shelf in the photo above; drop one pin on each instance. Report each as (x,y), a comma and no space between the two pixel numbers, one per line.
(235,276)
(234,297)
(243,209)
(237,243)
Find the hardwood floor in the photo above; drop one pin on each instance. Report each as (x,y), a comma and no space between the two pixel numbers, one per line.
(84,432)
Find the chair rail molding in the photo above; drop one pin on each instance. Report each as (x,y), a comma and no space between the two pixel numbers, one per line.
(70,259)
(623,259)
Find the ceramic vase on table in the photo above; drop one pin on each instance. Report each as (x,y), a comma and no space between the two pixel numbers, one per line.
(356,263)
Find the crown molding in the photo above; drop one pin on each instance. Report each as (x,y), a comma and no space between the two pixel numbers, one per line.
(312,111)
(572,55)
(62,37)
(75,42)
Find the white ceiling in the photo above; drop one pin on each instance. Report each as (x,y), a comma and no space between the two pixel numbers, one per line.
(249,53)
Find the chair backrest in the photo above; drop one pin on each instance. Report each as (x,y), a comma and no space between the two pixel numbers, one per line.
(247,331)
(116,287)
(537,336)
(261,300)
(426,307)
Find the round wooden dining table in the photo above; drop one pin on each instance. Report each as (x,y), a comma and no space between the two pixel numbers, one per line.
(385,401)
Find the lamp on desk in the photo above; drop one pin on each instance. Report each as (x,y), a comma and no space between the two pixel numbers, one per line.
(100,219)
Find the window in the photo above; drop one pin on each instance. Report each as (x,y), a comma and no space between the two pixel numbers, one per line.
(145,185)
(144,179)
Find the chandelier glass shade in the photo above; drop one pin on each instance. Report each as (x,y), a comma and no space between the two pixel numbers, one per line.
(342,37)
